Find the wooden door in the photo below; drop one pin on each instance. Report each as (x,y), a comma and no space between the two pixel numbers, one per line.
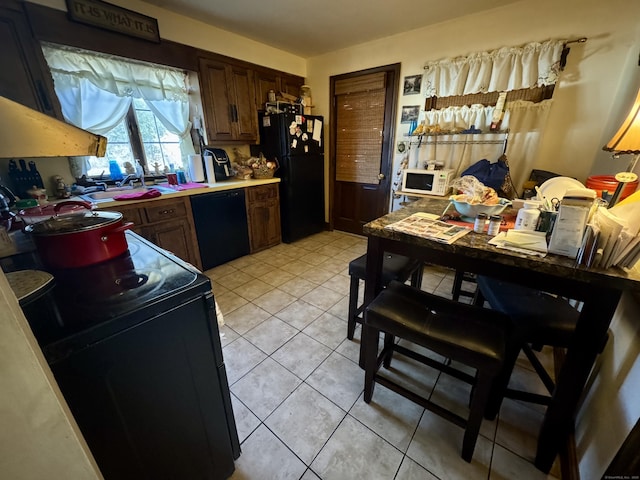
(362,117)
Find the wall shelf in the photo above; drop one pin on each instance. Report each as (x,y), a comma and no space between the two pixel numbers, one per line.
(470,138)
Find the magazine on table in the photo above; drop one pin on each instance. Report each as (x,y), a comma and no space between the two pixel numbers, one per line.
(427,225)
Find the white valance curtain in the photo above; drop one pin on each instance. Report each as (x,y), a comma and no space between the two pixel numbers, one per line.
(508,68)
(96,91)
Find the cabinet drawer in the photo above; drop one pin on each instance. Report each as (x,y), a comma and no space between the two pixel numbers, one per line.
(262,193)
(167,211)
(132,215)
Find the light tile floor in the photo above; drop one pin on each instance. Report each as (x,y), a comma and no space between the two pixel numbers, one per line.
(297,390)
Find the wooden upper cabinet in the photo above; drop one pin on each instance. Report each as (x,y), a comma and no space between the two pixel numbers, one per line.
(291,84)
(244,104)
(228,99)
(264,82)
(24,77)
(276,81)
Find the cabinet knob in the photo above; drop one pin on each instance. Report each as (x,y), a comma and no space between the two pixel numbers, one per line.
(381,176)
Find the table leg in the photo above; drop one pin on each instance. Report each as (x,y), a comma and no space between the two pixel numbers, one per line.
(590,331)
(372,283)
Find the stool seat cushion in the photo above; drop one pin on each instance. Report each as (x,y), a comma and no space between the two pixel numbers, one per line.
(538,316)
(394,267)
(469,334)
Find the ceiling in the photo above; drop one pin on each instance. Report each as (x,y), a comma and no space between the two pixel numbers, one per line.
(315,27)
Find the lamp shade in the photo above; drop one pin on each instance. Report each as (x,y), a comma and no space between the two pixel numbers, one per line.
(627,138)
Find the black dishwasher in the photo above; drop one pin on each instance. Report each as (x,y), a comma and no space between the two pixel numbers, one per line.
(221,226)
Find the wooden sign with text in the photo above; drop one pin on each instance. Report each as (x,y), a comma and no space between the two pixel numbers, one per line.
(114,18)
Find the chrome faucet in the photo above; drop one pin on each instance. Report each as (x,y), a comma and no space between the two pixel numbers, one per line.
(129,179)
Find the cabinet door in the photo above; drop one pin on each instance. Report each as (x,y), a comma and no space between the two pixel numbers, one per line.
(228,99)
(25,77)
(263,214)
(264,225)
(243,103)
(215,100)
(264,82)
(291,84)
(172,236)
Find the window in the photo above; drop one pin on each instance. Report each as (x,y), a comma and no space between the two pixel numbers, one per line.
(142,109)
(139,135)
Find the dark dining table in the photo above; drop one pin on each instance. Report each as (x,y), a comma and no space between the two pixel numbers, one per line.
(598,289)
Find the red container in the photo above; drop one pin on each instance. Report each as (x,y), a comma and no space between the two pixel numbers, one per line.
(79,240)
(609,183)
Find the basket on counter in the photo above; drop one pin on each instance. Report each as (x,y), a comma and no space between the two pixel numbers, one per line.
(263,170)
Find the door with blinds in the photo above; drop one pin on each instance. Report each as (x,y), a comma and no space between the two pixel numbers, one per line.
(363,112)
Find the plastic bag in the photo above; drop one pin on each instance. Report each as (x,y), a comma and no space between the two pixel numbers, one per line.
(490,174)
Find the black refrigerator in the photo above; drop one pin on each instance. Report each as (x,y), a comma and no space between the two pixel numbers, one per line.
(297,143)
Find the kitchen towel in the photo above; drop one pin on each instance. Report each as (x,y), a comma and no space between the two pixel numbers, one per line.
(208,164)
(184,186)
(151,193)
(196,170)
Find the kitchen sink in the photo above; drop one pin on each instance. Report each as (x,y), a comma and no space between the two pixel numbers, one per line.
(115,191)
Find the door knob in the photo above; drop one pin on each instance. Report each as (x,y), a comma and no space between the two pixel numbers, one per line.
(381,176)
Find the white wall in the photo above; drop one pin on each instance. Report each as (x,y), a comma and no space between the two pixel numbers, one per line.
(611,406)
(591,98)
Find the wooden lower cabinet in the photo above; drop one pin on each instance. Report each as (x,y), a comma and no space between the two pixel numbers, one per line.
(263,216)
(168,224)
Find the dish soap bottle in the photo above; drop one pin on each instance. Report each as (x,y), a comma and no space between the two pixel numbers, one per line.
(114,170)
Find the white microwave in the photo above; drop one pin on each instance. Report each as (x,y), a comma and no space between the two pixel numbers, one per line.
(427,182)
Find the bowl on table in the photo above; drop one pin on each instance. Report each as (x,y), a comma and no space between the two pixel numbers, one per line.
(469,211)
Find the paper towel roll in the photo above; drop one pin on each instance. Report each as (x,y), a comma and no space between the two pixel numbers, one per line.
(208,164)
(196,170)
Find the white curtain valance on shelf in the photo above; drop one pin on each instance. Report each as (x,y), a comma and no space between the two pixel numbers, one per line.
(508,68)
(523,120)
(96,91)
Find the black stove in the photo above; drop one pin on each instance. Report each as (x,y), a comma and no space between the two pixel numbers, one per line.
(101,299)
(136,353)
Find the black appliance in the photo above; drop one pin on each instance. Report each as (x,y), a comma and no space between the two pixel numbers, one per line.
(221,226)
(221,162)
(296,142)
(137,356)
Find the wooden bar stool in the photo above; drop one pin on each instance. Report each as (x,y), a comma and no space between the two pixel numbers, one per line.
(467,334)
(537,319)
(394,267)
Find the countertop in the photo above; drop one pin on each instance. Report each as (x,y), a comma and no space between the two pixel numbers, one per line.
(206,188)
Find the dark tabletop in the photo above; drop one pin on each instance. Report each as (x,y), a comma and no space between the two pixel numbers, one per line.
(475,246)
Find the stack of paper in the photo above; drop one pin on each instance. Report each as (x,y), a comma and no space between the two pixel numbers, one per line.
(522,241)
(612,237)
